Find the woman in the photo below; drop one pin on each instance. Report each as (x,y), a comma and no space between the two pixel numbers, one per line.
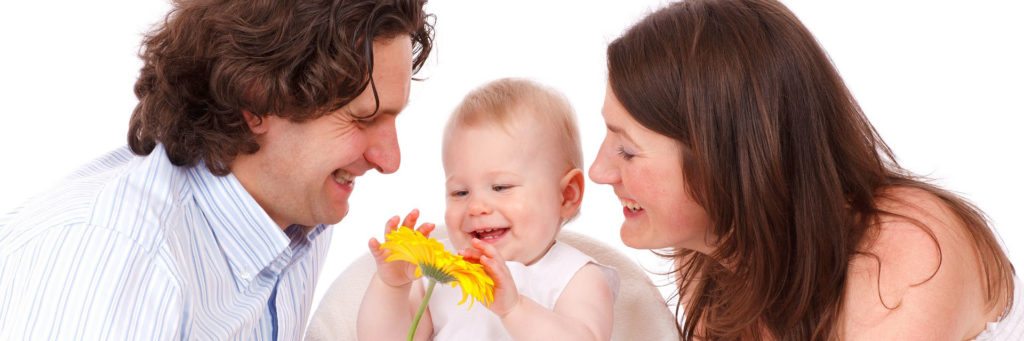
(733,142)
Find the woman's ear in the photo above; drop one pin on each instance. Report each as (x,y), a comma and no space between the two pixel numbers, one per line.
(255,123)
(572,193)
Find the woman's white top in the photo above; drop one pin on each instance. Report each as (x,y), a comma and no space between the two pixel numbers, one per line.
(542,282)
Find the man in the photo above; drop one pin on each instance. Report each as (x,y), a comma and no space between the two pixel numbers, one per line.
(254,120)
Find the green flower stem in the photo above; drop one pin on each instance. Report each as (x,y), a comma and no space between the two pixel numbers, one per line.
(423,307)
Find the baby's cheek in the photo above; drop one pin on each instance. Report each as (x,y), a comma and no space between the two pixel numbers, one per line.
(504,251)
(459,240)
(452,224)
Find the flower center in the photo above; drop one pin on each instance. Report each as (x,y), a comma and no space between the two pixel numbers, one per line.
(437,274)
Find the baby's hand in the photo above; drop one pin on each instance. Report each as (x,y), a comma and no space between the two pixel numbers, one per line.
(506,296)
(397,274)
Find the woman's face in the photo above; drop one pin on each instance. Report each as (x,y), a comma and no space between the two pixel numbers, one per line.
(645,170)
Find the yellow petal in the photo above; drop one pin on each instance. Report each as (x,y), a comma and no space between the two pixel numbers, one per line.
(411,246)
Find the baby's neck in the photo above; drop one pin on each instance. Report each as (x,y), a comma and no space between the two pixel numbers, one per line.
(542,254)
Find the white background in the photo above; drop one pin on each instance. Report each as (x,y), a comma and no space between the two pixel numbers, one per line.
(941,80)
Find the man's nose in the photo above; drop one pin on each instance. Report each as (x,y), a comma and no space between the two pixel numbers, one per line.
(383,153)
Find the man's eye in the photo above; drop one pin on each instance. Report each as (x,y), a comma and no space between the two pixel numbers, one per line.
(367,120)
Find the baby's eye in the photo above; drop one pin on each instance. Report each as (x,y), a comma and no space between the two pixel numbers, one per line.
(499,188)
(458,193)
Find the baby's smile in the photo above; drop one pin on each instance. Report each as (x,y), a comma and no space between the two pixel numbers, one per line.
(491,235)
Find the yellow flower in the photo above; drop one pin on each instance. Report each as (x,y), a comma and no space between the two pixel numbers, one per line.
(442,266)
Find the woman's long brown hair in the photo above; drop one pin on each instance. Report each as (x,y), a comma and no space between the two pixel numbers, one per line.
(779,154)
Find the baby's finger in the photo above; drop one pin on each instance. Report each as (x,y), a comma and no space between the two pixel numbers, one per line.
(375,246)
(410,219)
(378,253)
(391,225)
(471,253)
(426,229)
(497,270)
(487,249)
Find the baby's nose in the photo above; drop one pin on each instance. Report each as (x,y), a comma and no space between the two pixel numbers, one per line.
(478,207)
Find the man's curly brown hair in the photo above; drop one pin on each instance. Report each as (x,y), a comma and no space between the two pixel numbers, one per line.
(296,59)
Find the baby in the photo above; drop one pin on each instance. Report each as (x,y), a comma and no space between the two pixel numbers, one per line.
(513,168)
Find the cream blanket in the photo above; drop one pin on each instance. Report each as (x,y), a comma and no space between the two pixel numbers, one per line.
(640,311)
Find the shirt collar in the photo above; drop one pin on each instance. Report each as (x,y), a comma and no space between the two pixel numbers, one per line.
(312,234)
(245,232)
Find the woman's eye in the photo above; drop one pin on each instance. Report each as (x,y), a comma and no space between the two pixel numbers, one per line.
(624,154)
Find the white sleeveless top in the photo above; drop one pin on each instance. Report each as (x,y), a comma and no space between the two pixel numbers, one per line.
(542,282)
(1011,325)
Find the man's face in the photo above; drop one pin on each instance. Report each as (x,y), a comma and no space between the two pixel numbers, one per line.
(304,172)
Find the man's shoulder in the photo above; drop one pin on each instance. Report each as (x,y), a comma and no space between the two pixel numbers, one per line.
(135,196)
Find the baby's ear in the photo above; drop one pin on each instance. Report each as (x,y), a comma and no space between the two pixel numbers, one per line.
(572,193)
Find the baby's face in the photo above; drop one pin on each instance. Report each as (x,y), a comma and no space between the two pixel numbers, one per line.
(503,188)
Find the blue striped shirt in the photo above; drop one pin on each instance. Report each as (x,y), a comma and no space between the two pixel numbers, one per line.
(135,248)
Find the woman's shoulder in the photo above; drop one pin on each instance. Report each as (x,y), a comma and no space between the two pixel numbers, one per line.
(918,225)
(916,272)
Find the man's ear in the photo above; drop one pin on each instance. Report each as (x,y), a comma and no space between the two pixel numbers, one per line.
(255,123)
(572,193)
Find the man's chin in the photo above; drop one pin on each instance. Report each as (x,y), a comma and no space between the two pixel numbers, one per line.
(333,217)
(339,218)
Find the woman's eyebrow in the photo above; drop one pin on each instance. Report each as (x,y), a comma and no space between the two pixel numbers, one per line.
(620,132)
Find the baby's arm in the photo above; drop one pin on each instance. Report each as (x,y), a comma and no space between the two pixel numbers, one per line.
(393,295)
(583,310)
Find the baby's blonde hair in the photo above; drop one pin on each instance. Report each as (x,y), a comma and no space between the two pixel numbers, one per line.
(509,100)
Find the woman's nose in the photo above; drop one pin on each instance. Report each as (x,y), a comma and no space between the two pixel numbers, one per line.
(601,171)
